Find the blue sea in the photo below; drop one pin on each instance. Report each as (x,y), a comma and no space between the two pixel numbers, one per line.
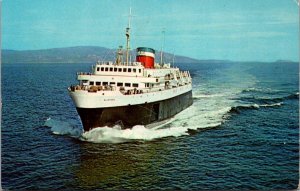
(241,133)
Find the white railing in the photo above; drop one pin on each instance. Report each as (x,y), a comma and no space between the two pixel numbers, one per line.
(123,90)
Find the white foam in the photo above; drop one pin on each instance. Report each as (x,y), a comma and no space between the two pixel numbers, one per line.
(255,106)
(207,95)
(262,105)
(263,90)
(138,132)
(63,128)
(272,105)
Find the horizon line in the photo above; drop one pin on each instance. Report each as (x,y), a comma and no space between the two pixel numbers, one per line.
(202,59)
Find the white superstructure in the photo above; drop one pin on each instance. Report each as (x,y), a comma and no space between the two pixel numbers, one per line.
(112,85)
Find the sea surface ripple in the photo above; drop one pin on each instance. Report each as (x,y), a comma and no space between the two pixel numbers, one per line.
(242,132)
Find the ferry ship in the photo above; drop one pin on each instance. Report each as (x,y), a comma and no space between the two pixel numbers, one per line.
(129,93)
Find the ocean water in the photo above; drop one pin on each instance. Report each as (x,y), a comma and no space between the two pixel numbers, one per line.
(242,132)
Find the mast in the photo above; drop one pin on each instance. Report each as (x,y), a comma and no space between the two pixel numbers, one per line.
(162,47)
(128,37)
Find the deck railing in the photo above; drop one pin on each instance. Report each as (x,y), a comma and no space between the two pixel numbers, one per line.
(95,89)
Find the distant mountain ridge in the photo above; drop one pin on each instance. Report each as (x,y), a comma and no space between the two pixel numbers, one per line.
(78,54)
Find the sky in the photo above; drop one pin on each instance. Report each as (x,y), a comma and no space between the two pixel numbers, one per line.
(237,30)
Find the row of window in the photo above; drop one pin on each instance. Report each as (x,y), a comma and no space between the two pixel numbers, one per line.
(119,84)
(114,69)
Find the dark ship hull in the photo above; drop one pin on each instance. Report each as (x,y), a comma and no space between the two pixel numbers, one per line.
(131,115)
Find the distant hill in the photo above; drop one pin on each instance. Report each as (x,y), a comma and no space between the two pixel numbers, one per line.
(79,54)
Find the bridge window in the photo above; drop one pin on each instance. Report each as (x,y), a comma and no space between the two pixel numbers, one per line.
(124,69)
(127,84)
(106,69)
(135,85)
(110,69)
(91,83)
(102,69)
(119,84)
(104,83)
(129,69)
(98,83)
(140,70)
(112,83)
(120,70)
(115,69)
(98,69)
(134,70)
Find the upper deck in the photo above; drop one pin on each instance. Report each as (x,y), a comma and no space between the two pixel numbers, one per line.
(134,76)
(109,68)
(135,69)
